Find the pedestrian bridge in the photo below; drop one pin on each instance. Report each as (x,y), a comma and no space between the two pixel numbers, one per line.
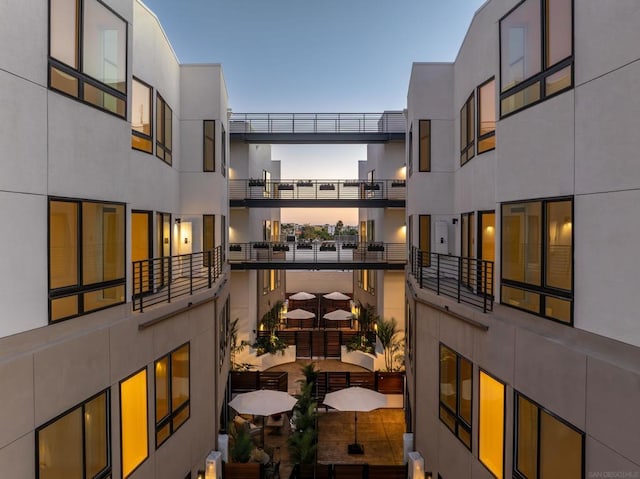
(317,128)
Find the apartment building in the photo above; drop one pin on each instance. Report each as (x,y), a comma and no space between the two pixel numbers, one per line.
(112,364)
(524,346)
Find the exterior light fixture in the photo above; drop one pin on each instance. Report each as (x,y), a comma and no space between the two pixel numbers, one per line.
(213,465)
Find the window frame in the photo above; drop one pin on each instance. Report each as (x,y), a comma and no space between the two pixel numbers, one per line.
(77,73)
(162,145)
(120,383)
(545,72)
(427,151)
(543,291)
(480,137)
(107,471)
(467,152)
(204,147)
(170,416)
(80,289)
(540,409)
(223,150)
(151,118)
(410,150)
(457,417)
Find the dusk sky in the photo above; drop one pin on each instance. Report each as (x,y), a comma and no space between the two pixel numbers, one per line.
(316,56)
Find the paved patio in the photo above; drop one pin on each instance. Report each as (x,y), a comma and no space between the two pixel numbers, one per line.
(380,431)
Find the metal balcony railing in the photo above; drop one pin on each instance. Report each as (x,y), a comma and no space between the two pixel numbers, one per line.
(257,189)
(390,122)
(318,252)
(161,280)
(467,280)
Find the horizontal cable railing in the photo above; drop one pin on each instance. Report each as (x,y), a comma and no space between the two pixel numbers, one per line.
(467,280)
(161,280)
(258,189)
(318,252)
(390,122)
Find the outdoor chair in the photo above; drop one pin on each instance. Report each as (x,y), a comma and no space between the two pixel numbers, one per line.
(272,470)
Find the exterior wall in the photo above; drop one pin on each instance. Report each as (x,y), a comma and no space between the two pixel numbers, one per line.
(56,146)
(558,147)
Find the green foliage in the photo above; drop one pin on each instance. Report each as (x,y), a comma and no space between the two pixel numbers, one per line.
(304,437)
(310,373)
(241,444)
(269,344)
(388,336)
(360,343)
(302,447)
(271,319)
(366,316)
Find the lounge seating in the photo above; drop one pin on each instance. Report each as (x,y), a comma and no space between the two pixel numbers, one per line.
(251,428)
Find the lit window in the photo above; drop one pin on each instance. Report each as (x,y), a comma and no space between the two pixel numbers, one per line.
(76,444)
(209,146)
(537,257)
(141,116)
(172,392)
(133,413)
(425,145)
(536,56)
(491,424)
(467,130)
(456,384)
(88,53)
(487,116)
(208,237)
(100,257)
(164,130)
(545,445)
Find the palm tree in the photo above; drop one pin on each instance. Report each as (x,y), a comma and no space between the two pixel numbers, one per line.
(387,334)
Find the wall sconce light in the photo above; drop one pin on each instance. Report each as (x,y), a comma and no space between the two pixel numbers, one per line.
(213,465)
(177,221)
(429,475)
(200,474)
(454,221)
(416,465)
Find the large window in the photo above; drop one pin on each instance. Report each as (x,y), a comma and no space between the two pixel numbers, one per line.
(75,445)
(172,392)
(467,130)
(545,445)
(141,116)
(134,440)
(209,146)
(425,146)
(270,280)
(164,130)
(536,53)
(424,238)
(208,236)
(141,250)
(367,280)
(88,53)
(456,385)
(86,257)
(487,116)
(491,424)
(537,257)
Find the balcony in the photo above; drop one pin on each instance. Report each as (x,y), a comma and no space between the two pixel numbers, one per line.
(316,128)
(317,193)
(162,280)
(467,280)
(317,255)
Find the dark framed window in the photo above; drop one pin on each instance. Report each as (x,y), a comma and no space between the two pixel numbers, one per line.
(172,392)
(536,53)
(141,116)
(163,247)
(424,155)
(467,247)
(424,238)
(367,280)
(537,257)
(456,391)
(86,257)
(544,444)
(208,236)
(467,130)
(487,116)
(88,54)
(410,151)
(209,145)
(76,443)
(223,150)
(164,130)
(142,250)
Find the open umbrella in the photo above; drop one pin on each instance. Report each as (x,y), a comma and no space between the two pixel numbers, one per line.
(336,296)
(263,402)
(355,399)
(299,314)
(302,296)
(338,315)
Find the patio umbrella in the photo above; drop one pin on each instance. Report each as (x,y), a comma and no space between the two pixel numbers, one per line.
(302,296)
(338,315)
(355,399)
(299,314)
(263,402)
(336,296)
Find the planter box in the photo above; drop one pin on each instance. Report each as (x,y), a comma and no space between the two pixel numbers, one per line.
(235,247)
(304,183)
(371,187)
(349,246)
(304,246)
(351,184)
(256,183)
(261,245)
(398,183)
(327,248)
(375,247)
(268,360)
(237,470)
(285,186)
(327,187)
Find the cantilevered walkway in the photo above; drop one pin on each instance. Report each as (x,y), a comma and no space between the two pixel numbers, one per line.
(317,128)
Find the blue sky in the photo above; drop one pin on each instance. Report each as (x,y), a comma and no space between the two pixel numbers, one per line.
(315,56)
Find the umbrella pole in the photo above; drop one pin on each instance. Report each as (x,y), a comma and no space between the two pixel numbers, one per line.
(356,427)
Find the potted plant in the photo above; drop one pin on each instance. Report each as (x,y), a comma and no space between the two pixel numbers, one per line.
(285,186)
(235,247)
(388,336)
(327,187)
(398,183)
(272,343)
(254,182)
(240,448)
(304,183)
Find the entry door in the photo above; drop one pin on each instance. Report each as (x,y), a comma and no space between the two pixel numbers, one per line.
(141,247)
